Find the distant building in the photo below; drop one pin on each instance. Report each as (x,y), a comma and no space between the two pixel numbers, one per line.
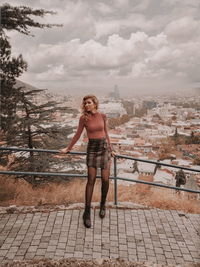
(115,93)
(149,104)
(130,107)
(113,109)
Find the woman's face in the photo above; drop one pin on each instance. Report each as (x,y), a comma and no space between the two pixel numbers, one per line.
(89,105)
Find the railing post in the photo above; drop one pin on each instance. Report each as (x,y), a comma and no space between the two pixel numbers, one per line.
(115,180)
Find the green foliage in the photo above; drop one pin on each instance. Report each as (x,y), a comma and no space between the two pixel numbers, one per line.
(20,18)
(21,120)
(11,67)
(196,161)
(192,139)
(181,139)
(180,178)
(113,122)
(140,112)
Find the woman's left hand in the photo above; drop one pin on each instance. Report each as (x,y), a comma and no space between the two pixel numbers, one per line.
(113,154)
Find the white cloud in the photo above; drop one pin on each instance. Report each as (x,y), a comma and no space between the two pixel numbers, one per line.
(158,40)
(183,29)
(111,41)
(139,56)
(105,28)
(186,3)
(133,22)
(121,3)
(142,5)
(104,9)
(52,74)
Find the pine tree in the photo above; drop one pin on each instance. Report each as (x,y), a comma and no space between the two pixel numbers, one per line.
(176,137)
(35,130)
(18,114)
(19,19)
(135,166)
(35,120)
(11,68)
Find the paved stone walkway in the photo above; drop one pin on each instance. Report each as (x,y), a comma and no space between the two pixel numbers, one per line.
(160,236)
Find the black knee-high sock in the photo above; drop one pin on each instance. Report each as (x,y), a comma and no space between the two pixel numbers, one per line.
(104,191)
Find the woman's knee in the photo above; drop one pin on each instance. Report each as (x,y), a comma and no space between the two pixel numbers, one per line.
(105,179)
(91,180)
(105,175)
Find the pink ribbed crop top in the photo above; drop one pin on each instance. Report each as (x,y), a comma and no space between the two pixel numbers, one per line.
(95,126)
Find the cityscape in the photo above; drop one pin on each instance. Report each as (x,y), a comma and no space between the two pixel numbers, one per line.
(145,127)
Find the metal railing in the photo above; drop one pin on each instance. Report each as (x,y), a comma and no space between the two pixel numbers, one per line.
(115,177)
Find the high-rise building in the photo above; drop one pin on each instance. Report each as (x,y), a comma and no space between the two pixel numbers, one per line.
(115,93)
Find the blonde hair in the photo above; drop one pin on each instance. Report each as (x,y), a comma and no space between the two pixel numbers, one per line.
(94,99)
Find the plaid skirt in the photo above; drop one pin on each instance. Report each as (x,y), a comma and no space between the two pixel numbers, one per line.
(98,154)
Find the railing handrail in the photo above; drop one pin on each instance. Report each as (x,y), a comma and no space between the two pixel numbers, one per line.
(115,177)
(84,153)
(159,163)
(39,150)
(70,175)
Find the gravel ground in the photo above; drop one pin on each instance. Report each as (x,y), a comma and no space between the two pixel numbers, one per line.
(71,262)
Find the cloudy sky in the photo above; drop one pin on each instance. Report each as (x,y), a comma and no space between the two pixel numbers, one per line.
(139,45)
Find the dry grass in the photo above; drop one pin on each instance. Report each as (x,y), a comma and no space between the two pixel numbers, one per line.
(19,192)
(159,198)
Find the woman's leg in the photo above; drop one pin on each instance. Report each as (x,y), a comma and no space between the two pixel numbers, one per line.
(90,185)
(105,173)
(88,195)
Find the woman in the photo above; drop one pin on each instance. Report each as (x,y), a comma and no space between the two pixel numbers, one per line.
(99,152)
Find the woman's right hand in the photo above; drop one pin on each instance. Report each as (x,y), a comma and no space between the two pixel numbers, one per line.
(64,151)
(113,154)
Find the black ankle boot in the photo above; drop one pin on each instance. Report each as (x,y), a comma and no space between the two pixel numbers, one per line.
(86,217)
(102,211)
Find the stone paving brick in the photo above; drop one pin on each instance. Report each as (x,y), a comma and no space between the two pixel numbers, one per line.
(60,253)
(167,248)
(96,255)
(6,246)
(3,252)
(38,257)
(40,252)
(10,255)
(187,257)
(154,235)
(68,255)
(171,261)
(141,256)
(169,255)
(29,255)
(49,255)
(176,253)
(78,254)
(13,249)
(35,242)
(43,245)
(79,248)
(71,243)
(24,245)
(123,254)
(51,248)
(21,252)
(158,250)
(148,245)
(70,249)
(32,249)
(150,252)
